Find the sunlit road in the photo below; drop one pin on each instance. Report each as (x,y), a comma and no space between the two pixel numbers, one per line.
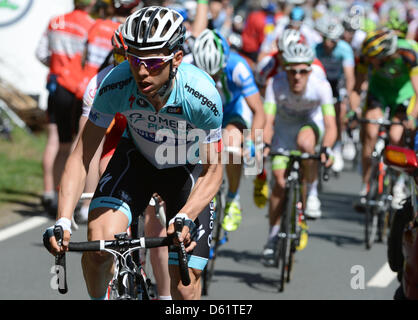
(334,265)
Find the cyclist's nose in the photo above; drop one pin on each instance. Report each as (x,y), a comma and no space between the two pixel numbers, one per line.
(142,70)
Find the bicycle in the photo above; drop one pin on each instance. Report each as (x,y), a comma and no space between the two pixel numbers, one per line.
(139,227)
(377,202)
(129,281)
(293,214)
(218,237)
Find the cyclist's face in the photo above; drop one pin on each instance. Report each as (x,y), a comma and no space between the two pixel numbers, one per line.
(377,63)
(151,73)
(329,44)
(298,75)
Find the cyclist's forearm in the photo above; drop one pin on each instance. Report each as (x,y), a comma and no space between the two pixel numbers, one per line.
(204,190)
(330,135)
(354,99)
(71,187)
(259,119)
(349,79)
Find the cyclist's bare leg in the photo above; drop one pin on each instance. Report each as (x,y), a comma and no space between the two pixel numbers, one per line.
(48,159)
(396,132)
(369,137)
(306,142)
(158,256)
(234,166)
(180,292)
(103,224)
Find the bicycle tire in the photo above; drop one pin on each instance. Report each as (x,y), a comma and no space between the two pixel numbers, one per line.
(371,214)
(217,231)
(293,241)
(283,245)
(385,216)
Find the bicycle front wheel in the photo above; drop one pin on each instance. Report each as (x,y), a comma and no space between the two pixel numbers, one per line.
(284,240)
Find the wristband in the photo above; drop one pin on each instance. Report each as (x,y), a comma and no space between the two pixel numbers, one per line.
(202,2)
(412,118)
(65,223)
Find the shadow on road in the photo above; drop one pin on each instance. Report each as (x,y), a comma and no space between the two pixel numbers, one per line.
(339,240)
(27,204)
(257,281)
(340,206)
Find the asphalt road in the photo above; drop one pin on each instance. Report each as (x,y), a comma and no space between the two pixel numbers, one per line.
(334,265)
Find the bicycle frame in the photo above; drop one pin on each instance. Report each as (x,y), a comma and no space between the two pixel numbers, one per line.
(290,230)
(379,197)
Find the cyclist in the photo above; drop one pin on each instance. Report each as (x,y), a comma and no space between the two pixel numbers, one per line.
(390,65)
(304,118)
(243,108)
(61,49)
(271,64)
(295,21)
(100,52)
(153,228)
(157,94)
(338,59)
(267,68)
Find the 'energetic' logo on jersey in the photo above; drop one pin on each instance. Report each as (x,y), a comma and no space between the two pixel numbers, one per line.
(205,100)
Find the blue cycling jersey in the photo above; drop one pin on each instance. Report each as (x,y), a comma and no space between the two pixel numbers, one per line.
(194,103)
(341,56)
(236,83)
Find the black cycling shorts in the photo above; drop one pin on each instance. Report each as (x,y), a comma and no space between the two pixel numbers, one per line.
(64,109)
(129,182)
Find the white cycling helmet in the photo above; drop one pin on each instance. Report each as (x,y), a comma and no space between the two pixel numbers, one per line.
(329,27)
(288,37)
(298,53)
(209,52)
(154,28)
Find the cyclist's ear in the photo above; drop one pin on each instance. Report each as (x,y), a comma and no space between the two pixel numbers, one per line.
(178,58)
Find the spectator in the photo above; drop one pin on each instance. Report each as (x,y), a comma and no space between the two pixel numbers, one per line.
(61,49)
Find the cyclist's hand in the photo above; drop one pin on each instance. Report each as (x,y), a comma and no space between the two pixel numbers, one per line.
(51,243)
(327,156)
(351,118)
(410,123)
(188,233)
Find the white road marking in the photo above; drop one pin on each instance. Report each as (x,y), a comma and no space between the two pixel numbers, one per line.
(22,227)
(383,277)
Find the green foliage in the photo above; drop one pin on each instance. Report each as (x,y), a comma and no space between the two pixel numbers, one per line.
(21,174)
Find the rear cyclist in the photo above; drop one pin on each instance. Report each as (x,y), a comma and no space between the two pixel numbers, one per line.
(337,56)
(153,89)
(304,117)
(390,65)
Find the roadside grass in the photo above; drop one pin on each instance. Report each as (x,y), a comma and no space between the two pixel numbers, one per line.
(21,178)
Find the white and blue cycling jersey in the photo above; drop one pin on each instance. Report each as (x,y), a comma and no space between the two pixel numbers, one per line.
(194,103)
(342,56)
(237,83)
